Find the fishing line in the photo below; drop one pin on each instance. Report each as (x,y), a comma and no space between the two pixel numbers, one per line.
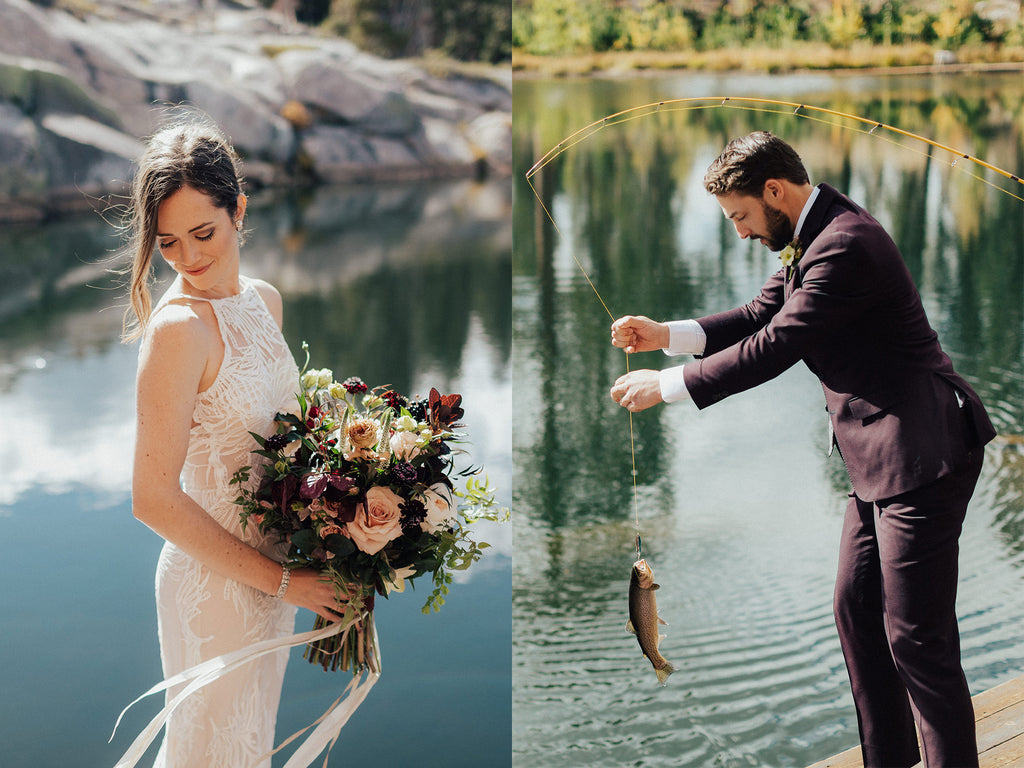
(632,442)
(766,106)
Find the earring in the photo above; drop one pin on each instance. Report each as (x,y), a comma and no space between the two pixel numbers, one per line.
(238,225)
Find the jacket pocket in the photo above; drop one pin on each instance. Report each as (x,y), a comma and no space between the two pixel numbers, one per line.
(870,407)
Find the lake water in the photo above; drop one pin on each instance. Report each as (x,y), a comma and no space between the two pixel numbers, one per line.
(406,285)
(410,285)
(739,507)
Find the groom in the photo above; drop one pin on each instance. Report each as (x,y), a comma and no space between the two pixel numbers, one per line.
(910,431)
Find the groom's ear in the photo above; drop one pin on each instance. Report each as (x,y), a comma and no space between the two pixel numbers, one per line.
(772,190)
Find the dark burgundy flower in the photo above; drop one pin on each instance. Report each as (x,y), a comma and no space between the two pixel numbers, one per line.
(354,385)
(284,491)
(276,442)
(344,510)
(413,513)
(395,400)
(403,473)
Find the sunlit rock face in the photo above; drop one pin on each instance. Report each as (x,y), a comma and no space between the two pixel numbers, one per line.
(78,94)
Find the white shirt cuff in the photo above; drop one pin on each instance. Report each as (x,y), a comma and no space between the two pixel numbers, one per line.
(673,387)
(685,337)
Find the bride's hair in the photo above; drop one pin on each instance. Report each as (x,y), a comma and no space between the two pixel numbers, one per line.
(188,152)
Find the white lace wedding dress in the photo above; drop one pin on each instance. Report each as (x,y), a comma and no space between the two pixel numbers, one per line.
(230,723)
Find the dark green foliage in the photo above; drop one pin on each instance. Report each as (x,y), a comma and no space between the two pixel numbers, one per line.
(466,30)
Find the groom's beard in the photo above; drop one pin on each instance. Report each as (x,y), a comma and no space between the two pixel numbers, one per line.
(780,231)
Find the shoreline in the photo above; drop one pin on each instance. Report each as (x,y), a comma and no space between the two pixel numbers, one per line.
(867,61)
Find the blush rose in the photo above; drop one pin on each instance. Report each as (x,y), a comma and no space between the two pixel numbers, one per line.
(378,521)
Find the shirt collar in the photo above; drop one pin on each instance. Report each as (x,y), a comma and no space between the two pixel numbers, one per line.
(803,214)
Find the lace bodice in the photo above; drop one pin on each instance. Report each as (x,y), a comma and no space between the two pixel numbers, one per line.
(257,379)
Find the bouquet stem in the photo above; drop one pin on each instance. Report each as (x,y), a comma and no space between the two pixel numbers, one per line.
(352,650)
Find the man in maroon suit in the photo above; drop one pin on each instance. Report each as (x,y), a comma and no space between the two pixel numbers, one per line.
(910,431)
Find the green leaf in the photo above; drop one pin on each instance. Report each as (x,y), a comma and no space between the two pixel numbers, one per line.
(306,540)
(341,546)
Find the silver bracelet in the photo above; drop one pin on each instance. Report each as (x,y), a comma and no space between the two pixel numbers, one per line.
(286,576)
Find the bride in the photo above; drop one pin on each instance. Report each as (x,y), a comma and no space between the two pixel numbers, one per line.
(213,366)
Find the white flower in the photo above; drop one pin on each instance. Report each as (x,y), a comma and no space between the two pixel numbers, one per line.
(317,378)
(405,424)
(335,390)
(440,508)
(396,580)
(791,254)
(403,445)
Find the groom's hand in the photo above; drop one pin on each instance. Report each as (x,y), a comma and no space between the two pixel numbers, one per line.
(637,390)
(636,333)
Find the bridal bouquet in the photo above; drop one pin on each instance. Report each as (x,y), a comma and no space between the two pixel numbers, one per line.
(361,484)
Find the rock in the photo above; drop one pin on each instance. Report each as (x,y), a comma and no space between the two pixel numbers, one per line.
(23,178)
(39,87)
(85,159)
(944,58)
(90,133)
(25,31)
(491,134)
(333,153)
(254,131)
(346,96)
(337,153)
(447,147)
(77,91)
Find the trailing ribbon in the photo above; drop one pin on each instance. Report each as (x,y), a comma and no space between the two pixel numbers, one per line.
(328,726)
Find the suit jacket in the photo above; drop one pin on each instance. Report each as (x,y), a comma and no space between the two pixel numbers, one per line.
(849,309)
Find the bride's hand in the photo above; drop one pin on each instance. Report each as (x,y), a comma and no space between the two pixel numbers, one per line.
(307,588)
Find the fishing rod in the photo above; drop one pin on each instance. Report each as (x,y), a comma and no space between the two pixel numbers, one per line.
(749,103)
(800,109)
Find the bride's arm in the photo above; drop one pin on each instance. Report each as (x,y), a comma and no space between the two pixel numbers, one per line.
(172,361)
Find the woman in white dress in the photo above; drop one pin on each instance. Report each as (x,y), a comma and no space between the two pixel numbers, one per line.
(213,366)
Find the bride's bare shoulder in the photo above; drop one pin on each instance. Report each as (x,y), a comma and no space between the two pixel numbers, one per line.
(271,297)
(180,324)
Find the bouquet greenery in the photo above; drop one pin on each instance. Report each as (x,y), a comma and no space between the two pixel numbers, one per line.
(361,484)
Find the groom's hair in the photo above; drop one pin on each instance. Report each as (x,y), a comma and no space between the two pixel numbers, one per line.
(748,162)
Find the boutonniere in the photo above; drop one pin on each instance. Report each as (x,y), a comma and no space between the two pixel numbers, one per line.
(790,255)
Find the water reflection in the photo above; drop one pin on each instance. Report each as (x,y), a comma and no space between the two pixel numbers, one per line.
(739,508)
(403,284)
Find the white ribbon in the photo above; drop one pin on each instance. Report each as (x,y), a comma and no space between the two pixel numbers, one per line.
(328,726)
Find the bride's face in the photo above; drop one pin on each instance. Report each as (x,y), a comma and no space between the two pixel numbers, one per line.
(200,242)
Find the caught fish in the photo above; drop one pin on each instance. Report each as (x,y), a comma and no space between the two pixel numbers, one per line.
(644,619)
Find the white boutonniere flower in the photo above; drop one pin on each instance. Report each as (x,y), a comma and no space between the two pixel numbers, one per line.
(791,254)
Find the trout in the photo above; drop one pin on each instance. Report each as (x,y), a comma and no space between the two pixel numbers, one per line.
(643,618)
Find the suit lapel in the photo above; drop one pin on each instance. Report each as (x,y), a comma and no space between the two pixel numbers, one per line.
(815,222)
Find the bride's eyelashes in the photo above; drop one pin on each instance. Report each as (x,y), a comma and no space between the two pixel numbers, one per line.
(204,238)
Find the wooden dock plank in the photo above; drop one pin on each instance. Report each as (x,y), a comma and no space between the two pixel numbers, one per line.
(999,716)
